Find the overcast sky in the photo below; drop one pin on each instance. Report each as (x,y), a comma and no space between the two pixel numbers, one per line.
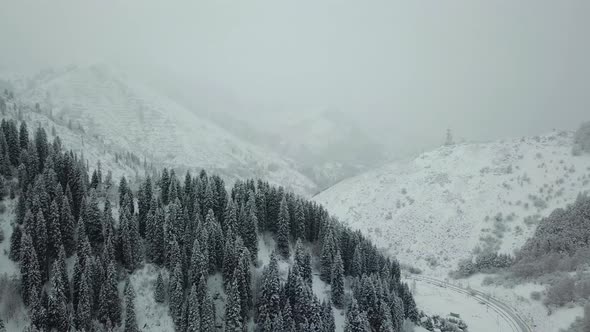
(407,68)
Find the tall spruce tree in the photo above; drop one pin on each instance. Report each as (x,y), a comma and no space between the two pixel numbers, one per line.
(233,319)
(283,230)
(160,291)
(337,283)
(130,318)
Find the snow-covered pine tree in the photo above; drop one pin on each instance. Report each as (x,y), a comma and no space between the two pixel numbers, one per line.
(84,309)
(337,282)
(283,236)
(15,242)
(54,232)
(109,307)
(327,255)
(160,291)
(37,311)
(176,293)
(328,322)
(356,320)
(207,314)
(29,268)
(269,298)
(194,315)
(233,318)
(57,301)
(67,227)
(130,318)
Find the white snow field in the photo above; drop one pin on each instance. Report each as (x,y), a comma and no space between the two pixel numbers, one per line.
(127,115)
(436,300)
(433,210)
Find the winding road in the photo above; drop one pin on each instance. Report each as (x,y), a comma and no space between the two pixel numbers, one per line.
(517,323)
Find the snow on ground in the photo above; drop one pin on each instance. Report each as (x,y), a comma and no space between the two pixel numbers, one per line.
(151,316)
(127,115)
(519,298)
(435,300)
(433,210)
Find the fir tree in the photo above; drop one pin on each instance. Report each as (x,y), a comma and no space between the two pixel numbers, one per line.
(229,260)
(233,319)
(160,291)
(269,298)
(176,293)
(283,230)
(37,311)
(67,227)
(130,319)
(328,323)
(337,283)
(84,308)
(15,242)
(93,221)
(207,314)
(194,316)
(109,308)
(54,232)
(327,256)
(57,301)
(29,268)
(356,321)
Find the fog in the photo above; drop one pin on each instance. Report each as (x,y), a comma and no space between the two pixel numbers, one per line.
(403,71)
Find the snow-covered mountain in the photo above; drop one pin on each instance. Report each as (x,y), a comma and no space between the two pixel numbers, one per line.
(127,115)
(435,209)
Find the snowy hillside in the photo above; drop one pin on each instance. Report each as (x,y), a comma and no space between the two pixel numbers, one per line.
(126,115)
(93,150)
(434,210)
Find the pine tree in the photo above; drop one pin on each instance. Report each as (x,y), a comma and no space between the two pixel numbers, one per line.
(250,229)
(29,268)
(83,311)
(194,316)
(2,327)
(269,299)
(15,242)
(23,136)
(199,265)
(93,220)
(176,293)
(328,323)
(229,261)
(67,227)
(63,273)
(233,319)
(109,308)
(57,301)
(54,232)
(288,321)
(283,230)
(37,311)
(357,262)
(130,319)
(337,283)
(207,314)
(410,310)
(356,321)
(327,256)
(385,324)
(160,292)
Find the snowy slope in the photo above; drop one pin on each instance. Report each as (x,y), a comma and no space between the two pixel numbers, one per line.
(127,115)
(433,210)
(91,148)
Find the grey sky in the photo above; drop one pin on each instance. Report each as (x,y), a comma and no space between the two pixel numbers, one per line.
(406,69)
